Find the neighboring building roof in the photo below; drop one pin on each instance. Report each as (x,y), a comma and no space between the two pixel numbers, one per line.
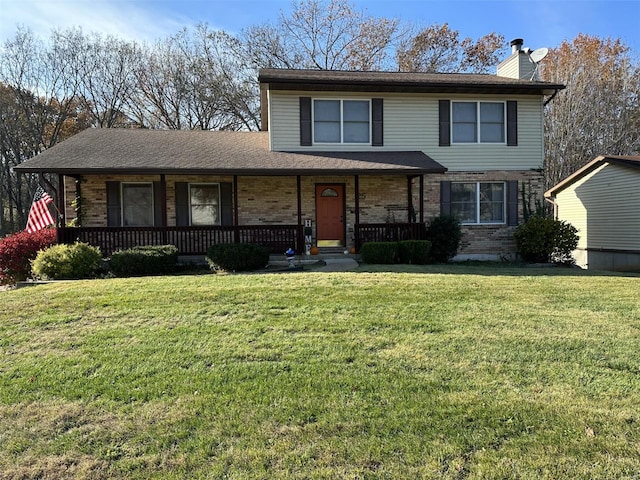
(624,160)
(330,80)
(100,151)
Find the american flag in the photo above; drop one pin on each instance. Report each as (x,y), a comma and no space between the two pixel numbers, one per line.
(39,215)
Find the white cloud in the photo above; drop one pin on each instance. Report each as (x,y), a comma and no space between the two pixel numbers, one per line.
(146,21)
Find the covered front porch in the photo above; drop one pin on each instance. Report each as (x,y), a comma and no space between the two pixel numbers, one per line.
(121,188)
(329,212)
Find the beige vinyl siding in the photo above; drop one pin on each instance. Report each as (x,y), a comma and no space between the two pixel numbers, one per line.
(411,123)
(517,66)
(605,206)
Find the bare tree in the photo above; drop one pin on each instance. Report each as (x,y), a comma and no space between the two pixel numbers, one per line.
(195,80)
(599,111)
(39,107)
(438,49)
(325,35)
(107,80)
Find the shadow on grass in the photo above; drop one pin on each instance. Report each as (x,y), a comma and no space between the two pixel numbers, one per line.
(494,269)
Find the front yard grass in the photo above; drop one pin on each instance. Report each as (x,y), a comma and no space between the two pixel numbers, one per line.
(444,372)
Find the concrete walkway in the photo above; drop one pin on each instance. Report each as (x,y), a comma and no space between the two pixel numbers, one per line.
(337,265)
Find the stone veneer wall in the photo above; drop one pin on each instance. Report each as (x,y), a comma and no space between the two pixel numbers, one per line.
(273,200)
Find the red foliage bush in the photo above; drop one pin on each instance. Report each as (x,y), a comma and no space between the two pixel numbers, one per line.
(17,251)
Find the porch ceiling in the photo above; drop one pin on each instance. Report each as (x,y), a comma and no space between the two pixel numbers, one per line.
(110,151)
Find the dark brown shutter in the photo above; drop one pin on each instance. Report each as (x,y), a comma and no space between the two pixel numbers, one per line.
(512,202)
(114,212)
(305,121)
(377,117)
(445,198)
(512,123)
(157,204)
(444,115)
(226,204)
(182,204)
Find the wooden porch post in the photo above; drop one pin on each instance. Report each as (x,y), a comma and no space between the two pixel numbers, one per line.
(236,232)
(163,201)
(410,211)
(163,198)
(421,198)
(61,201)
(356,230)
(300,245)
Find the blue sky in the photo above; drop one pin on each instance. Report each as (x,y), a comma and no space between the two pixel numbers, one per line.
(540,23)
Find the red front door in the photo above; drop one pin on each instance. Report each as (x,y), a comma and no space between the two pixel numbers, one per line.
(330,215)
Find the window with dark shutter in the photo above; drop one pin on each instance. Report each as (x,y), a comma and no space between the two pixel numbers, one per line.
(377,131)
(445,198)
(512,202)
(512,123)
(114,210)
(305,121)
(444,114)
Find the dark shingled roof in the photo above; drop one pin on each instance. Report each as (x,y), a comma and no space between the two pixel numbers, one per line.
(285,79)
(632,161)
(98,151)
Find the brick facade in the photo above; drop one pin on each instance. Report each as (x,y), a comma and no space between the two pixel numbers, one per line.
(273,200)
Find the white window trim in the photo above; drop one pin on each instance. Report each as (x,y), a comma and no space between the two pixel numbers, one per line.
(478,123)
(153,206)
(219,199)
(341,100)
(504,204)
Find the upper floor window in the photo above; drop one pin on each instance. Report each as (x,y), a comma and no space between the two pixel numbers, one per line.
(478,202)
(478,122)
(341,121)
(204,203)
(137,204)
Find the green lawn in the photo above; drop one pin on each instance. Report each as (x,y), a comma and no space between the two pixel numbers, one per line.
(441,372)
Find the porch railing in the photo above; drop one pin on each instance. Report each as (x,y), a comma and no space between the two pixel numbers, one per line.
(188,240)
(196,240)
(388,232)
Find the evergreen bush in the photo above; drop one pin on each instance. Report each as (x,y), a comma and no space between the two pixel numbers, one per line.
(444,233)
(64,262)
(144,260)
(543,239)
(379,252)
(416,252)
(237,257)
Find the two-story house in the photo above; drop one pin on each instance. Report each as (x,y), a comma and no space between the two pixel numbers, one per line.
(342,158)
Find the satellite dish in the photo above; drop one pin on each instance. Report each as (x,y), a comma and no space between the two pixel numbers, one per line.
(538,54)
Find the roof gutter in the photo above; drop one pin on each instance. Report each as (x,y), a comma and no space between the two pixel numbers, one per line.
(553,95)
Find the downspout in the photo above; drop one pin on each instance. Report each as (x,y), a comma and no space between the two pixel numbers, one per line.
(548,101)
(552,201)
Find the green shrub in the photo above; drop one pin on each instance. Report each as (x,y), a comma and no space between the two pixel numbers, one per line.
(543,239)
(60,262)
(417,252)
(237,257)
(444,233)
(379,252)
(18,250)
(145,260)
